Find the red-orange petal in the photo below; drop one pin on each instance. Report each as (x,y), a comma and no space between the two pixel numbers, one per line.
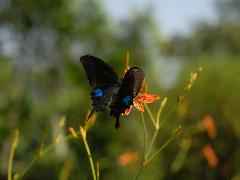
(127,158)
(146,98)
(138,106)
(127,111)
(210,156)
(209,124)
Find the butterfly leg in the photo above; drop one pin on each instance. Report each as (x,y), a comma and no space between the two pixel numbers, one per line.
(91,113)
(117,124)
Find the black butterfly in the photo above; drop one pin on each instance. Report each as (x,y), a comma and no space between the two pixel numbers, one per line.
(110,92)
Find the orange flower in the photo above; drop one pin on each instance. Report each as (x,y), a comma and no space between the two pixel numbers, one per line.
(146,98)
(210,156)
(209,125)
(140,99)
(127,158)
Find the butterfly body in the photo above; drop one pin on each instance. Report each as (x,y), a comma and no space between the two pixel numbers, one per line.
(110,92)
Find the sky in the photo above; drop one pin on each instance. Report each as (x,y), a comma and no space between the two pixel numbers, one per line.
(172,16)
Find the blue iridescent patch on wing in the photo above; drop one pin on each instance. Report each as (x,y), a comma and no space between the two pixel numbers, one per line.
(98,92)
(127,100)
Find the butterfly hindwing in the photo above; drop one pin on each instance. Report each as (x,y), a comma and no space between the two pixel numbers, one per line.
(99,73)
(130,87)
(103,97)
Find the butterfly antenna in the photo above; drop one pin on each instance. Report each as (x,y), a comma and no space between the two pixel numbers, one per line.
(117,124)
(90,115)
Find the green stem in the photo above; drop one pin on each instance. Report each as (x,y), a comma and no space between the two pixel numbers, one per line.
(29,166)
(162,104)
(165,144)
(151,144)
(138,172)
(98,174)
(150,114)
(83,135)
(12,151)
(168,115)
(144,133)
(36,158)
(144,148)
(184,148)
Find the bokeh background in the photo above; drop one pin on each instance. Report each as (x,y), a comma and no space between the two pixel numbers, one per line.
(41,79)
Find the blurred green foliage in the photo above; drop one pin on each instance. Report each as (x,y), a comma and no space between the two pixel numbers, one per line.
(41,79)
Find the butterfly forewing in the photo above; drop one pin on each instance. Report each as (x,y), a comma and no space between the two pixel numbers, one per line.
(99,73)
(130,87)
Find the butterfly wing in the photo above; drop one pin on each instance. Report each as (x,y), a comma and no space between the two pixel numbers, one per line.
(103,97)
(130,87)
(102,79)
(99,73)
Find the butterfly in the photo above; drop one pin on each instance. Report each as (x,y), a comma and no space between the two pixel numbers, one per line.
(109,91)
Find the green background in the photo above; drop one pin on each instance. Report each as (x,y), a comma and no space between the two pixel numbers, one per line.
(41,79)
